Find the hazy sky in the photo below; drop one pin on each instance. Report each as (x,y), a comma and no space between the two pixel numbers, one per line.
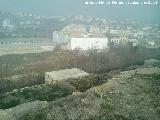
(73,7)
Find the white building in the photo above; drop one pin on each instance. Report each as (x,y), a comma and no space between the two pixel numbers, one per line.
(88,43)
(151,43)
(134,42)
(60,37)
(140,34)
(6,23)
(112,31)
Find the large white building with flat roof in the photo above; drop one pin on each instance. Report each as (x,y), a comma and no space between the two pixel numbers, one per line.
(80,41)
(87,43)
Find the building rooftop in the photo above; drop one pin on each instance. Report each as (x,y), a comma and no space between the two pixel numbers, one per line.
(66,74)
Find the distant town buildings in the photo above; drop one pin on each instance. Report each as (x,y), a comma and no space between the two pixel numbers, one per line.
(79,39)
(69,31)
(151,44)
(7,25)
(99,35)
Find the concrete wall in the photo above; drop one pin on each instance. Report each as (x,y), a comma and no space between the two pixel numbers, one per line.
(25,42)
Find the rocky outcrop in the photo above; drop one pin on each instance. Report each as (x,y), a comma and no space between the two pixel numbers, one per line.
(19,111)
(75,107)
(4,115)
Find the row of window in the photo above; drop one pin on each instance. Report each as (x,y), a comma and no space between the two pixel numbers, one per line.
(25,42)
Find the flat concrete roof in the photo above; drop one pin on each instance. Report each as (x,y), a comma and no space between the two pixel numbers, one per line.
(66,74)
